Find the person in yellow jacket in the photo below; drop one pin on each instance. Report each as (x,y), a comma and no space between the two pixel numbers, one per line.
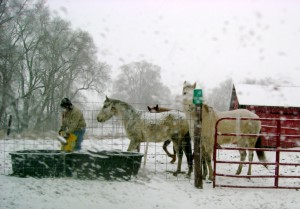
(73,122)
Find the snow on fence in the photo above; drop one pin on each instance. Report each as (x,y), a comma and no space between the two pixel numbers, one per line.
(283,164)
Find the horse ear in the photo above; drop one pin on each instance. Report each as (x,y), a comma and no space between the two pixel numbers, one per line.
(106,98)
(149,108)
(194,85)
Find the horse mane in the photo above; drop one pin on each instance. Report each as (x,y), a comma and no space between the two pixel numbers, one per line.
(209,118)
(125,105)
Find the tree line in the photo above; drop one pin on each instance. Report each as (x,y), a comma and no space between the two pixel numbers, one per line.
(43,59)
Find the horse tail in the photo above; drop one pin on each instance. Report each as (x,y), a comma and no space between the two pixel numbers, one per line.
(260,154)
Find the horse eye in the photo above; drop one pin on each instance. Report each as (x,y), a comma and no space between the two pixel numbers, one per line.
(184,93)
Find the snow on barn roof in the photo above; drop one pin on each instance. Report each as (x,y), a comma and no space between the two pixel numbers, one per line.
(263,95)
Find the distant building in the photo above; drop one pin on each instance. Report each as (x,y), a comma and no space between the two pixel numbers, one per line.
(271,102)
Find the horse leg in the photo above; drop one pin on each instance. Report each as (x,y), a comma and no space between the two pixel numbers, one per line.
(207,154)
(204,165)
(208,161)
(166,143)
(243,155)
(187,148)
(138,147)
(179,151)
(133,145)
(250,157)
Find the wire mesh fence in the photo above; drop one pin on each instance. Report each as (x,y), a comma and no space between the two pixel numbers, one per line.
(110,135)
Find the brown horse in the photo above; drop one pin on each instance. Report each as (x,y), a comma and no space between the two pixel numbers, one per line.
(159,109)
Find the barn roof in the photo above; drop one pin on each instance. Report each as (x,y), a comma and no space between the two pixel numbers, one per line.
(263,95)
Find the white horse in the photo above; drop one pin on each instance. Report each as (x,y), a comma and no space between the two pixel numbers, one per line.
(209,119)
(148,127)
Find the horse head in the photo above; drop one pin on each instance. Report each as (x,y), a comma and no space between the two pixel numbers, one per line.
(154,109)
(107,111)
(187,92)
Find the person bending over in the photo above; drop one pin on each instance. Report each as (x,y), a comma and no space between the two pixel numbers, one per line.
(73,122)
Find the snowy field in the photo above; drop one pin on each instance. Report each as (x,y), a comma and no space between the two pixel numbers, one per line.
(153,187)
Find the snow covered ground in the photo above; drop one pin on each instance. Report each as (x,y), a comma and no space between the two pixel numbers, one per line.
(153,187)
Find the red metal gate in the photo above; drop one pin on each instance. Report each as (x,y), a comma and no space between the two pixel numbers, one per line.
(277,179)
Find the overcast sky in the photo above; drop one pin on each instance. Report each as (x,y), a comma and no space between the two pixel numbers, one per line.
(195,40)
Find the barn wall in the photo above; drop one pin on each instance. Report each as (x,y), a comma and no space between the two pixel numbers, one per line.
(269,127)
(287,127)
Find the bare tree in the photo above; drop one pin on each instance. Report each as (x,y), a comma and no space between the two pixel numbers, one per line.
(219,97)
(43,61)
(10,9)
(140,82)
(10,55)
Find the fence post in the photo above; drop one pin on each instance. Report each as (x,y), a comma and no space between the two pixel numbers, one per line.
(9,125)
(197,100)
(278,138)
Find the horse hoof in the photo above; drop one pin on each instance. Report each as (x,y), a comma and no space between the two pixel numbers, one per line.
(175,174)
(173,161)
(210,178)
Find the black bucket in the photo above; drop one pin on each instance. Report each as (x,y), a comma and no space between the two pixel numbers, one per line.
(108,165)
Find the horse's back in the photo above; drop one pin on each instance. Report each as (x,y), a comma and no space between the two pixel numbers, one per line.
(240,126)
(158,127)
(238,113)
(159,117)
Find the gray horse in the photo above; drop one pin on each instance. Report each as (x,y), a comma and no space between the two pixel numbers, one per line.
(148,127)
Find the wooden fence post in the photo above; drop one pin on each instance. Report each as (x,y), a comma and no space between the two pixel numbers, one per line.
(197,100)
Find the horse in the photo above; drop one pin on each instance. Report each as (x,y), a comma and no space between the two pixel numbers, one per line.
(156,109)
(159,109)
(209,119)
(148,127)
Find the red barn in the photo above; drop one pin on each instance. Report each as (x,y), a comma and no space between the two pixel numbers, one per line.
(270,102)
